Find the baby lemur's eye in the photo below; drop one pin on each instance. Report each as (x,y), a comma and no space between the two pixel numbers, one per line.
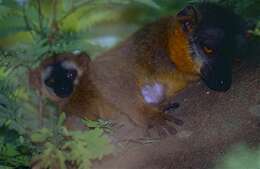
(71,74)
(50,82)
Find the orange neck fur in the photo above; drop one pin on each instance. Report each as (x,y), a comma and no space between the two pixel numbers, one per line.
(178,46)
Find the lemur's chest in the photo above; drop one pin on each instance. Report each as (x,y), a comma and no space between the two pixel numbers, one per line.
(156,88)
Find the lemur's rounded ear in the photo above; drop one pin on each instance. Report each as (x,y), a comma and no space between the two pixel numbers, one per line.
(83,59)
(188,17)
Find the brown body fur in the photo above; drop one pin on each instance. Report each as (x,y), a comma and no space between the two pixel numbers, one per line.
(144,58)
(213,124)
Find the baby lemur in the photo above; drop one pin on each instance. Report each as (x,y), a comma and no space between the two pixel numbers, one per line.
(141,73)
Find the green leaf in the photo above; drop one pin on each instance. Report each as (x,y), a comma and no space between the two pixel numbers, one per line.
(61,119)
(149,3)
(10,150)
(41,135)
(61,159)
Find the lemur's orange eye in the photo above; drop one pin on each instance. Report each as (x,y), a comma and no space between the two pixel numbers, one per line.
(208,50)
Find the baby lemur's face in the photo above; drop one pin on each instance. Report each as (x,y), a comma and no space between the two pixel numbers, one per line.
(57,76)
(212,32)
(60,78)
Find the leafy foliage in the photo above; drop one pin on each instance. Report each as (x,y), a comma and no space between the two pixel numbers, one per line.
(55,26)
(14,151)
(10,95)
(51,144)
(104,125)
(76,148)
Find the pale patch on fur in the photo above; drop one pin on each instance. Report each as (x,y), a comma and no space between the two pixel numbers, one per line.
(76,81)
(68,65)
(197,55)
(153,94)
(46,73)
(71,65)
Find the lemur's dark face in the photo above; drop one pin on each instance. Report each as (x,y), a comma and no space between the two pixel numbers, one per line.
(212,32)
(211,48)
(60,78)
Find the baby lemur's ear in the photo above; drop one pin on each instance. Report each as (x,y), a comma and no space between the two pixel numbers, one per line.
(82,59)
(188,17)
